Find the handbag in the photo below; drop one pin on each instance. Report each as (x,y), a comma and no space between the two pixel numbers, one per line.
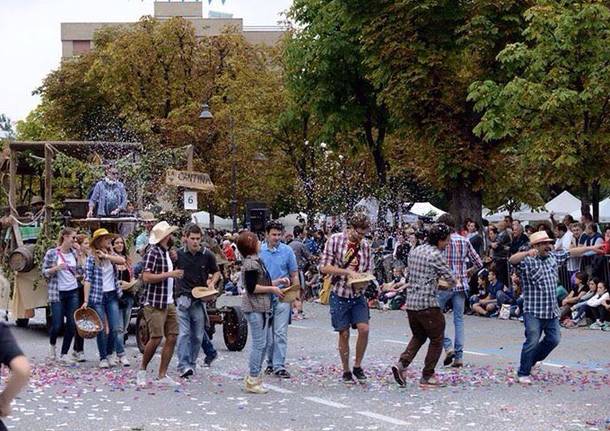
(504,313)
(327,286)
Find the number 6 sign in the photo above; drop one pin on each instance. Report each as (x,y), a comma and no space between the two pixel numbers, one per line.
(190,200)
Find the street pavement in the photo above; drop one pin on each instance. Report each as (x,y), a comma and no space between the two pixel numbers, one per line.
(571,390)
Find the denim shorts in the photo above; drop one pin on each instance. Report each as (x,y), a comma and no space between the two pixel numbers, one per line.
(345,312)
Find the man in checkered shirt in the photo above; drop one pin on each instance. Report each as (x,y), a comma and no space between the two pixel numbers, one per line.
(159,309)
(428,272)
(538,269)
(348,255)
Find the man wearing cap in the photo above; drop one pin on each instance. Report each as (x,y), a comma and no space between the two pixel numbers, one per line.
(280,261)
(159,309)
(148,221)
(109,196)
(197,264)
(538,270)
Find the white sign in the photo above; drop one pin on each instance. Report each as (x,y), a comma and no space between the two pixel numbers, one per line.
(190,200)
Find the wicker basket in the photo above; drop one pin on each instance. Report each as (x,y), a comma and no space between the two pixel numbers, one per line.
(88,323)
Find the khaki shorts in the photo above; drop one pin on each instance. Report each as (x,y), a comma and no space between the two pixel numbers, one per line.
(161,322)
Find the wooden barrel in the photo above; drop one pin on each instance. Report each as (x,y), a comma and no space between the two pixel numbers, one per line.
(22,258)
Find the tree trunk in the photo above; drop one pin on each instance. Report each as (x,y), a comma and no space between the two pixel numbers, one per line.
(585,200)
(595,200)
(465,203)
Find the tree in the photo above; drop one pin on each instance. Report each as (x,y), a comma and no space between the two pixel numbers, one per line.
(6,126)
(556,105)
(423,55)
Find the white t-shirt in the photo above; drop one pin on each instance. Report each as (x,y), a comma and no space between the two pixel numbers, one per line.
(66,279)
(170,281)
(108,281)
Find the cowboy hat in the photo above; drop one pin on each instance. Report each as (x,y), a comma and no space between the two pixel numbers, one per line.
(539,238)
(100,234)
(147,216)
(203,292)
(36,200)
(160,231)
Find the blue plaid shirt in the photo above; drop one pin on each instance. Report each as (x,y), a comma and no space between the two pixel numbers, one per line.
(94,276)
(49,261)
(539,278)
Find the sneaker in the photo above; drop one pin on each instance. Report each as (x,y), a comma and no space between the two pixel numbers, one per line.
(141,378)
(124,361)
(167,381)
(524,380)
(449,357)
(520,318)
(66,360)
(457,363)
(254,385)
(582,323)
(52,352)
(398,370)
(104,363)
(494,314)
(596,325)
(431,382)
(187,373)
(359,374)
(606,326)
(269,370)
(112,361)
(78,356)
(282,374)
(209,359)
(348,379)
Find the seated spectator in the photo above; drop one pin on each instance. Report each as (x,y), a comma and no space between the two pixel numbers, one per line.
(597,307)
(576,294)
(580,309)
(516,310)
(488,305)
(482,284)
(392,293)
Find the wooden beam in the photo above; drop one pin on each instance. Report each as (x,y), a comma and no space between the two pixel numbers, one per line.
(189,158)
(12,192)
(48,178)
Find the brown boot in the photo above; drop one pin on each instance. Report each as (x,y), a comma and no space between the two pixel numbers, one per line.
(431,382)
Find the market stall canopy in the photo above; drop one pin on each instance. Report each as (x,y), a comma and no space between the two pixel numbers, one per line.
(291,220)
(202,218)
(564,203)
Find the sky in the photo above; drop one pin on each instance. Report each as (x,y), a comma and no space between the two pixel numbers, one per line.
(31,40)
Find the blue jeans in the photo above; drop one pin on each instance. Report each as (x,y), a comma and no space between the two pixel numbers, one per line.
(125,306)
(277,338)
(65,307)
(206,343)
(108,310)
(258,327)
(190,335)
(535,350)
(458,300)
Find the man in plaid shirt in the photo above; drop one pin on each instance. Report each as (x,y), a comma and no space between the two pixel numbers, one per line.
(538,270)
(159,309)
(428,272)
(463,261)
(348,255)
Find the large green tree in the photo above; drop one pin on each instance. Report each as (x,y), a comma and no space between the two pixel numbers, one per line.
(556,106)
(423,55)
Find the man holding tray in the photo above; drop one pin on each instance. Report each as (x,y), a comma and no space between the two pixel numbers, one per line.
(347,258)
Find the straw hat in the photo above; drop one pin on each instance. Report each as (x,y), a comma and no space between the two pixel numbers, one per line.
(147,216)
(540,238)
(100,234)
(36,200)
(290,293)
(160,231)
(203,292)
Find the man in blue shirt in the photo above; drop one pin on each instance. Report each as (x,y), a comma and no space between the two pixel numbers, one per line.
(280,261)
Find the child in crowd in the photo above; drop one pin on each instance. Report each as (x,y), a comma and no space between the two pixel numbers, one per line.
(576,294)
(488,305)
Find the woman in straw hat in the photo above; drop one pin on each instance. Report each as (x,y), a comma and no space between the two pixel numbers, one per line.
(102,292)
(256,304)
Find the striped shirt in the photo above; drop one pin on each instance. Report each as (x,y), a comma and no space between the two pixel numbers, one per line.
(94,275)
(335,254)
(49,261)
(539,278)
(459,253)
(426,265)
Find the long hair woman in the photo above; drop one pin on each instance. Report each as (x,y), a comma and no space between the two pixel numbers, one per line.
(125,276)
(82,251)
(60,268)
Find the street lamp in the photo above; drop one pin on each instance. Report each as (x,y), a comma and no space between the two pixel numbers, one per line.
(205,112)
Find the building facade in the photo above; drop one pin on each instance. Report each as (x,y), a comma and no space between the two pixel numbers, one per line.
(77,38)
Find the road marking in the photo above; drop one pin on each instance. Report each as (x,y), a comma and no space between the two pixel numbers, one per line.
(278,389)
(468,352)
(383,418)
(299,326)
(551,364)
(394,341)
(326,402)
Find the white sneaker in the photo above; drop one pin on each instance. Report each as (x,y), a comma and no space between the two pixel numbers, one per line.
(112,361)
(78,356)
(66,360)
(104,363)
(524,380)
(168,381)
(141,378)
(124,361)
(52,352)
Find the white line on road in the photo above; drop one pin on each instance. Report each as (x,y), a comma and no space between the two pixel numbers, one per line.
(394,341)
(383,418)
(278,389)
(469,352)
(551,364)
(326,402)
(299,326)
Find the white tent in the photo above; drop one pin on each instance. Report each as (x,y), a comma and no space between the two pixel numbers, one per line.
(291,220)
(426,208)
(564,203)
(604,211)
(202,218)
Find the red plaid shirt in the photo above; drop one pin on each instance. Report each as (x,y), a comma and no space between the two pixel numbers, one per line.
(459,254)
(334,254)
(155,262)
